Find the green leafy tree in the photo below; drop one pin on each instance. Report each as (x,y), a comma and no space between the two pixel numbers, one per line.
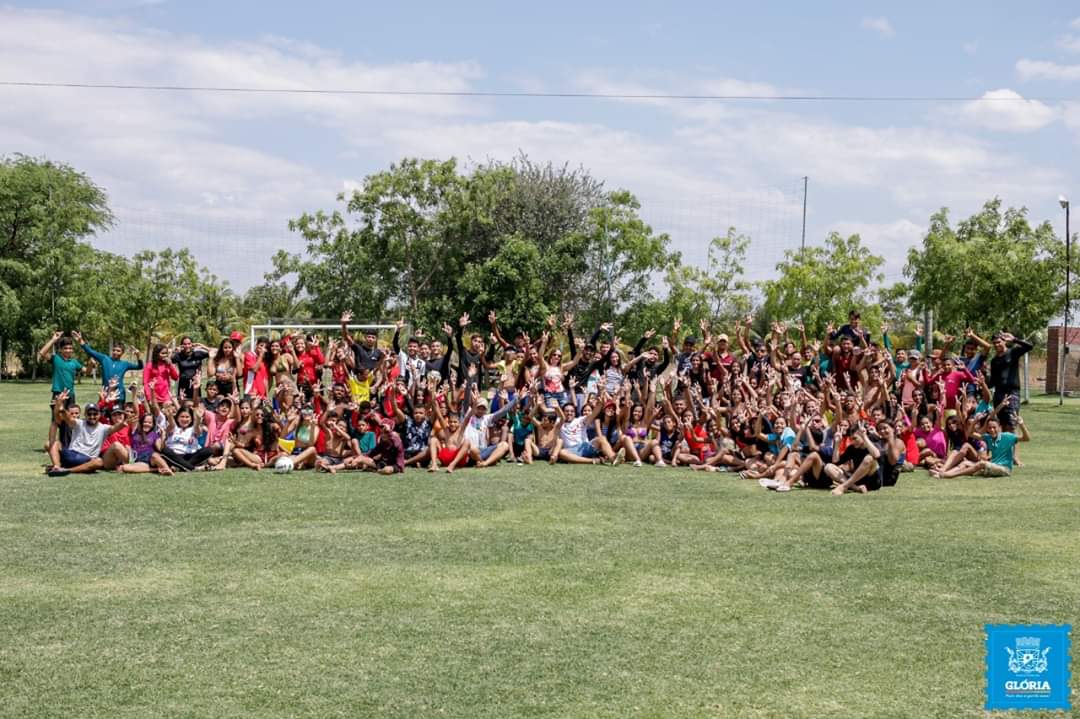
(716,292)
(46,209)
(993,271)
(819,285)
(621,260)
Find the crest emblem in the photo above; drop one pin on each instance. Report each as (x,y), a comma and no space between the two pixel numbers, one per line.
(1027,659)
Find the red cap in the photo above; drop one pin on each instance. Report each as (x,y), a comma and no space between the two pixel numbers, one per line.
(236,336)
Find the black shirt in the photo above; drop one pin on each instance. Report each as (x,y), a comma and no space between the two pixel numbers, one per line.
(367,358)
(1005,368)
(188,365)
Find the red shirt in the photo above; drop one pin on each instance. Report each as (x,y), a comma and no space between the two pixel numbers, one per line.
(310,360)
(123,437)
(255,375)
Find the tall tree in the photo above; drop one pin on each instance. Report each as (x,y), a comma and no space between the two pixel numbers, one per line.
(819,285)
(993,271)
(46,209)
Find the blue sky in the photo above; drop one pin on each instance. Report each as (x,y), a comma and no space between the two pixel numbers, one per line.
(220,173)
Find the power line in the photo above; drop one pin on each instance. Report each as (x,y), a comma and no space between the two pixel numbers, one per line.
(522,94)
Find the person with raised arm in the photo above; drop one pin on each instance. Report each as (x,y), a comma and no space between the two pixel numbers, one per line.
(1005,376)
(113,365)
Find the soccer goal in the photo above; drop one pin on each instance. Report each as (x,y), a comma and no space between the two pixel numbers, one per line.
(283,327)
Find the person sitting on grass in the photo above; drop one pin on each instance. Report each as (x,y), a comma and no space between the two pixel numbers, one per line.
(83,454)
(998,459)
(856,469)
(146,449)
(388,457)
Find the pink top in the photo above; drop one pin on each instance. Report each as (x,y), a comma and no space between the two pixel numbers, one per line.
(934,439)
(953,380)
(157,379)
(216,430)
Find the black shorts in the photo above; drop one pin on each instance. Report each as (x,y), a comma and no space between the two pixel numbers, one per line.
(821,481)
(889,474)
(871,481)
(543,453)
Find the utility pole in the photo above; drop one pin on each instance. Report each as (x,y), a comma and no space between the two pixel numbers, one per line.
(1065,318)
(805,183)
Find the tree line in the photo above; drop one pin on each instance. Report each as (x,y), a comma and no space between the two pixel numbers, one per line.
(429,240)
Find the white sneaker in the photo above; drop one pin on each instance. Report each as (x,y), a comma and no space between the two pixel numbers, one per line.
(768,483)
(661,463)
(637,463)
(783,488)
(619,457)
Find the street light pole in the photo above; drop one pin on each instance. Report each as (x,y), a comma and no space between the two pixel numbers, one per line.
(1063,356)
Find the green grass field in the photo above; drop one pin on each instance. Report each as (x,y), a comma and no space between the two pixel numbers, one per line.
(519,591)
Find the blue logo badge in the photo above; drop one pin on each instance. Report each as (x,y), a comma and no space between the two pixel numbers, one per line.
(1027,666)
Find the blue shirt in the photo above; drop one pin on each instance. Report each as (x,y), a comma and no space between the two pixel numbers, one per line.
(63,376)
(1001,449)
(111,368)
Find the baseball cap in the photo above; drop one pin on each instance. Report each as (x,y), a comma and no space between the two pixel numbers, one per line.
(915,353)
(237,336)
(690,340)
(722,338)
(91,407)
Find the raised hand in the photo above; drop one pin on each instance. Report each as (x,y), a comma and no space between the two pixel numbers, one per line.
(551,321)
(463,321)
(650,333)
(400,323)
(884,328)
(57,334)
(491,317)
(346,317)
(568,320)
(579,343)
(447,329)
(676,325)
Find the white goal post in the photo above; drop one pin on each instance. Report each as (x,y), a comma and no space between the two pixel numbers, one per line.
(282,327)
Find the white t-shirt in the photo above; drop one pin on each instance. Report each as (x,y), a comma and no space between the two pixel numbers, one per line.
(573,432)
(86,439)
(477,431)
(182,441)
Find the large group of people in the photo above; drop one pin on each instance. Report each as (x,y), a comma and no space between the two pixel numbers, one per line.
(842,412)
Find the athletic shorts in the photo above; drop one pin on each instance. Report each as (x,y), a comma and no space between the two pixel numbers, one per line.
(1010,411)
(332,460)
(889,473)
(69,458)
(871,481)
(994,470)
(488,451)
(543,453)
(821,481)
(447,454)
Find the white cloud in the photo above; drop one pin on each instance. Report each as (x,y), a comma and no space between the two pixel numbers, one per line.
(213,158)
(880,25)
(1046,70)
(1008,111)
(221,173)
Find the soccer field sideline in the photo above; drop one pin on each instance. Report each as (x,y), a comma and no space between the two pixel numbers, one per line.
(519,591)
